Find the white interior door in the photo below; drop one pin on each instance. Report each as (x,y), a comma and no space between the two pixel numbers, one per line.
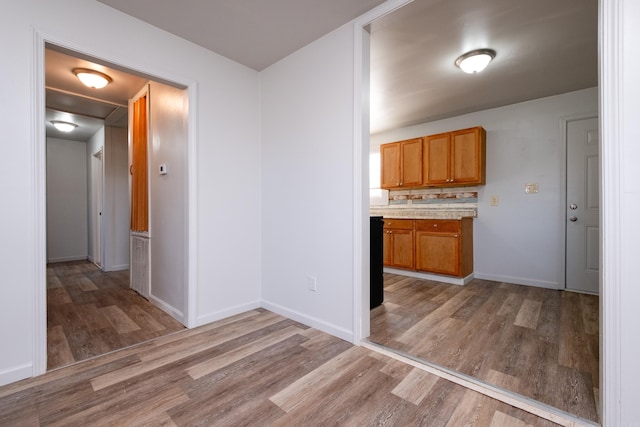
(582,206)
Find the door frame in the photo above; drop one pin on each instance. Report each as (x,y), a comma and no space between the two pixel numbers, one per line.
(39,310)
(562,239)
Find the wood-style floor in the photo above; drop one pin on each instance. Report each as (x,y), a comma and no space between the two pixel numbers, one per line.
(90,312)
(539,343)
(253,369)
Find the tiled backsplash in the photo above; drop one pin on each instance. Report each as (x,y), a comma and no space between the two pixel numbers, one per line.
(436,196)
(430,203)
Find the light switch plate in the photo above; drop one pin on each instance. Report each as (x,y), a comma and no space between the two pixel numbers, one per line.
(163,169)
(531,188)
(494,201)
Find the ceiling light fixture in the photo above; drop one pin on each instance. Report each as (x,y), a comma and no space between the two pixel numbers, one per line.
(64,126)
(475,61)
(91,78)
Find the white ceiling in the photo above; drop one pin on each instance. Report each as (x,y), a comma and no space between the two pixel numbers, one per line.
(544,47)
(255,33)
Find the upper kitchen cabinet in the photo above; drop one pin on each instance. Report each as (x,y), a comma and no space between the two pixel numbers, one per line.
(455,158)
(401,164)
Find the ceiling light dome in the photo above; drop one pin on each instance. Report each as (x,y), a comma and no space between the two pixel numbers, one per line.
(64,126)
(475,61)
(91,78)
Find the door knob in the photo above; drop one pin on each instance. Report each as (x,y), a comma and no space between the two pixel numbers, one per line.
(573,219)
(573,206)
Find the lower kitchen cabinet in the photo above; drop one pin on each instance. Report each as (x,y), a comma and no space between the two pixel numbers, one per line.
(444,246)
(398,243)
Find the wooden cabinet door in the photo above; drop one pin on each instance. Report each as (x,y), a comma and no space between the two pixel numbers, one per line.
(468,156)
(438,252)
(436,161)
(390,165)
(411,162)
(398,243)
(402,248)
(387,248)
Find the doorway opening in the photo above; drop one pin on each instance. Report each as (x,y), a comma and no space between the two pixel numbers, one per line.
(91,308)
(406,282)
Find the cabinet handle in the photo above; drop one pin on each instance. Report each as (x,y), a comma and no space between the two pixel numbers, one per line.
(435,225)
(455,235)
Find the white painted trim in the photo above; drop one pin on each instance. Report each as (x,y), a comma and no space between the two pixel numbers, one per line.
(39,195)
(118,267)
(168,308)
(611,103)
(518,280)
(39,184)
(360,240)
(223,314)
(70,258)
(430,276)
(313,322)
(191,298)
(16,373)
(361,325)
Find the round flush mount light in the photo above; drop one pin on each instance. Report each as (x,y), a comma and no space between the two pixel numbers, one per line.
(475,61)
(91,78)
(64,126)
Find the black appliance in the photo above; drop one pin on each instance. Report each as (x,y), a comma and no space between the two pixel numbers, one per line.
(376,256)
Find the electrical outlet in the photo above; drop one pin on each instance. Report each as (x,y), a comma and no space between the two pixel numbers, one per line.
(312,282)
(493,201)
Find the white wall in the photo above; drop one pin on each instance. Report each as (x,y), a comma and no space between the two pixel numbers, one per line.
(225,219)
(307,158)
(66,200)
(520,240)
(94,145)
(115,212)
(168,114)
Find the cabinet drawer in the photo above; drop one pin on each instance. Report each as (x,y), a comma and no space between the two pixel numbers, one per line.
(401,224)
(438,225)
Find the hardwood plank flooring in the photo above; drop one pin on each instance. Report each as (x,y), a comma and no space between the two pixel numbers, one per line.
(539,343)
(261,370)
(90,312)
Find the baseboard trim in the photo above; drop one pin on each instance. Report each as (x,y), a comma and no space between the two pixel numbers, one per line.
(309,321)
(223,314)
(518,280)
(118,267)
(69,258)
(429,276)
(168,308)
(16,373)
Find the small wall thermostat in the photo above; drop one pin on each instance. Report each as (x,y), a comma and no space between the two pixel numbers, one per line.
(163,169)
